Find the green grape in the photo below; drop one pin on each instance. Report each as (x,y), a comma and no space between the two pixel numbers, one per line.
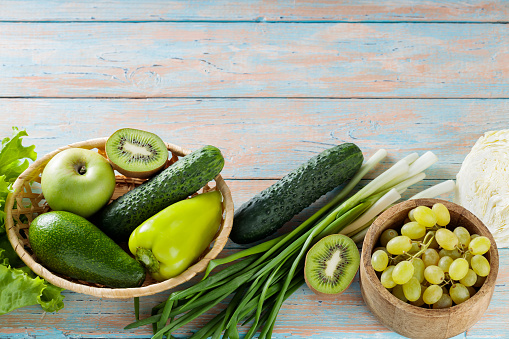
(463,236)
(479,245)
(397,291)
(411,214)
(445,262)
(455,253)
(430,257)
(387,235)
(425,216)
(415,248)
(445,301)
(441,213)
(381,248)
(458,269)
(446,239)
(432,294)
(397,259)
(419,302)
(418,269)
(399,245)
(379,260)
(473,236)
(434,243)
(413,230)
(470,279)
(412,289)
(468,256)
(434,274)
(480,281)
(480,265)
(403,272)
(471,290)
(459,293)
(386,277)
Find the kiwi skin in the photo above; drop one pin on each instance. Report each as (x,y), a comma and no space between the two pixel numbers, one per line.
(149,170)
(348,275)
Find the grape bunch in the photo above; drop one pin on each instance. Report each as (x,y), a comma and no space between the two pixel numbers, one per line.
(428,264)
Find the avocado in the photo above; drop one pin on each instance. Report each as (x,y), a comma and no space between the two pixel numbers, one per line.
(69,244)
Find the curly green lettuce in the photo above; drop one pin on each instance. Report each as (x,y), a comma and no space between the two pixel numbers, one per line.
(19,286)
(14,159)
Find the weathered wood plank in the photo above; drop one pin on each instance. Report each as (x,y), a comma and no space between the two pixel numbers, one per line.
(280,11)
(340,60)
(265,139)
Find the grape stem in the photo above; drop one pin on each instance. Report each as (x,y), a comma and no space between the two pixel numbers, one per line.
(425,247)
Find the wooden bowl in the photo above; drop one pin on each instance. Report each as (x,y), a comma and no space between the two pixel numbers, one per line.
(417,322)
(30,203)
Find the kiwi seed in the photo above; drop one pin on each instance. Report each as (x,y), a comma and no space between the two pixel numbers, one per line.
(136,153)
(331,265)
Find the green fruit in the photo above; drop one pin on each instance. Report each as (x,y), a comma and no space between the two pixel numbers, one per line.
(267,211)
(78,180)
(69,244)
(331,265)
(136,153)
(175,183)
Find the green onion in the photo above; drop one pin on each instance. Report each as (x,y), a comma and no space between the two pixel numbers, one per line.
(264,276)
(137,308)
(436,190)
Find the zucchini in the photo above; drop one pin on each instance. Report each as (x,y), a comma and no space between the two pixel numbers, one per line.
(270,209)
(175,183)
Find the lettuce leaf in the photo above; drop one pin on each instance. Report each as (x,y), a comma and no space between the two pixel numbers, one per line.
(13,161)
(19,287)
(14,156)
(51,299)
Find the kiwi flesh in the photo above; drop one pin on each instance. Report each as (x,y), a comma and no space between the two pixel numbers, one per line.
(136,153)
(331,265)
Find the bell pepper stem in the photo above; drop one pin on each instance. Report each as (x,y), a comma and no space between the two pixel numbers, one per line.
(147,259)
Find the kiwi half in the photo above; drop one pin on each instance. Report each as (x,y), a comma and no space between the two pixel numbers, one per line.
(136,153)
(331,265)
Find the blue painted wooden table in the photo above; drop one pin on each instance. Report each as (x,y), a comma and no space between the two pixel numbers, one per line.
(270,84)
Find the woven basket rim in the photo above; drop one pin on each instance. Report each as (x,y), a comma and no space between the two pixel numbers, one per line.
(106,292)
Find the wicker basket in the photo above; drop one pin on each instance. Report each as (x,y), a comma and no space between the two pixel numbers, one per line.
(30,203)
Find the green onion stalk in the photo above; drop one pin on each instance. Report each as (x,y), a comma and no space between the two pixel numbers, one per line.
(262,277)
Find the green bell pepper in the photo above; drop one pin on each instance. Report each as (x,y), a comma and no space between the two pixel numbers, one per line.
(173,239)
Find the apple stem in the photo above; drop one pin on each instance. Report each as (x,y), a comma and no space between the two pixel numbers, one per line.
(82,170)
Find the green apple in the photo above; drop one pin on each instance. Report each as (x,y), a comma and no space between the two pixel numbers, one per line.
(78,180)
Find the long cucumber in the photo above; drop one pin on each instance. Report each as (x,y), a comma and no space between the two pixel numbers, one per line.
(175,183)
(270,209)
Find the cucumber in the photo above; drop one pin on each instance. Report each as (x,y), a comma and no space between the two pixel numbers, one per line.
(175,183)
(270,209)
(69,244)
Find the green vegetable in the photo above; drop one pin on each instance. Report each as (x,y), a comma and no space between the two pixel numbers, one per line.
(19,286)
(173,184)
(9,253)
(13,161)
(173,239)
(271,271)
(69,244)
(267,211)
